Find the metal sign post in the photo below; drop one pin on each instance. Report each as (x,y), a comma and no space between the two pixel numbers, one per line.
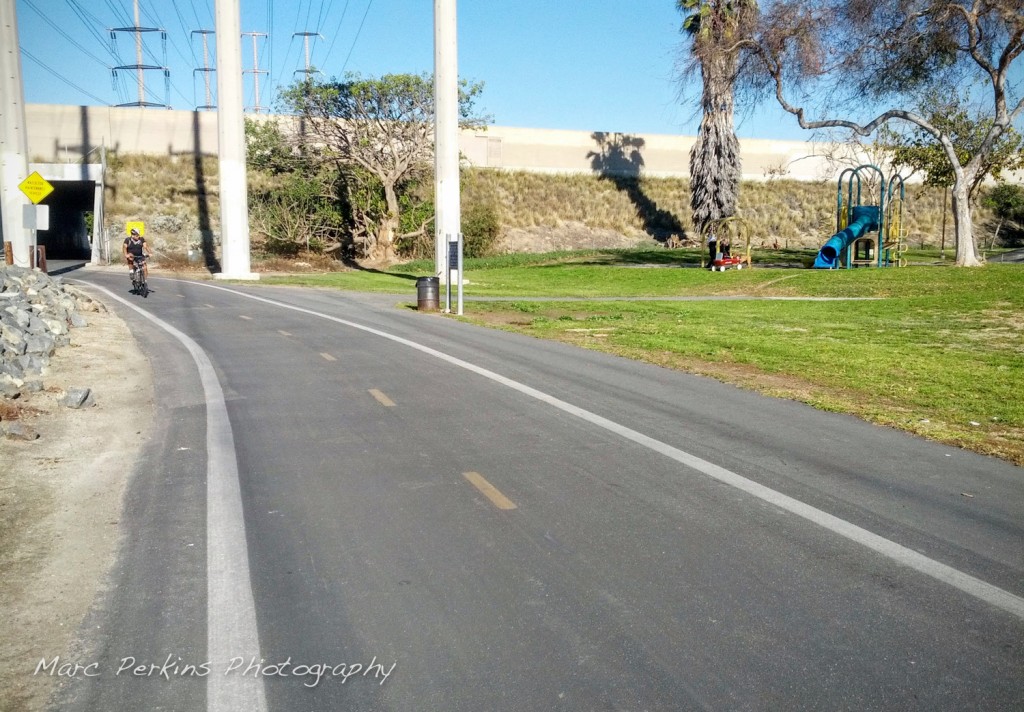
(36,188)
(453,272)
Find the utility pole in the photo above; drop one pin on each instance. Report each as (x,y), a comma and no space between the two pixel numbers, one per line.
(13,138)
(234,202)
(141,68)
(256,71)
(206,68)
(448,220)
(305,41)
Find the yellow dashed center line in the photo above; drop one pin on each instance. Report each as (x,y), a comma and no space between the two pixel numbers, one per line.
(381,398)
(489,491)
(328,357)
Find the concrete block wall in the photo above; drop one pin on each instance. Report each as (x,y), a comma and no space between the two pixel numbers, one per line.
(59,134)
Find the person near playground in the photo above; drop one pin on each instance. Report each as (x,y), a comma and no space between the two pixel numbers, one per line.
(725,245)
(712,247)
(134,248)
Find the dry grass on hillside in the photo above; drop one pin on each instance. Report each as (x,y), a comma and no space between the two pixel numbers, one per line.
(171,193)
(793,212)
(168,193)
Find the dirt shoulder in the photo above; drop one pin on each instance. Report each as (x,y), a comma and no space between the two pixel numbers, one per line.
(61,499)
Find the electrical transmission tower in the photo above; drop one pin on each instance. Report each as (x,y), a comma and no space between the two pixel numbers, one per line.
(305,40)
(255,71)
(206,69)
(141,68)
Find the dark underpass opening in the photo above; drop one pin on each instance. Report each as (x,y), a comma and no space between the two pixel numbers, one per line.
(71,216)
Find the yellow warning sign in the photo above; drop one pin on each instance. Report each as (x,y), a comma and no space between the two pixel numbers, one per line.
(35,187)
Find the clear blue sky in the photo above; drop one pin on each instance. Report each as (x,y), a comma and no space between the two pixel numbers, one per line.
(602,65)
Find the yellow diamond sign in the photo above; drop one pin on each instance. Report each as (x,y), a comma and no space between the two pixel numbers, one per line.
(35,187)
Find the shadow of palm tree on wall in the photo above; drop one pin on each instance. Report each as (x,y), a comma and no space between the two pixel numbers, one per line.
(619,159)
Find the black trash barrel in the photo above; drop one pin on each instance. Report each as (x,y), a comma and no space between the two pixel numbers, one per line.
(428,293)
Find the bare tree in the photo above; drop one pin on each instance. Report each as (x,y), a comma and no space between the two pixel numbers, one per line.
(850,57)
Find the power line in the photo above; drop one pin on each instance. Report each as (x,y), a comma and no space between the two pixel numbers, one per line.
(125,18)
(195,13)
(169,37)
(91,23)
(64,34)
(358,32)
(29,55)
(337,32)
(284,63)
(184,29)
(320,15)
(270,53)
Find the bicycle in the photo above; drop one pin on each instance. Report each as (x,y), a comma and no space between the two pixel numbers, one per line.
(138,275)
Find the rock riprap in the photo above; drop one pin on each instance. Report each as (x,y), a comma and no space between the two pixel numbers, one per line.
(37,314)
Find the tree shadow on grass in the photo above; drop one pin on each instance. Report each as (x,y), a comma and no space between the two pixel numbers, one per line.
(619,159)
(355,265)
(654,257)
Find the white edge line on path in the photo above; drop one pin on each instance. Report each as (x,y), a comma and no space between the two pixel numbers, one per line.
(971,585)
(231,607)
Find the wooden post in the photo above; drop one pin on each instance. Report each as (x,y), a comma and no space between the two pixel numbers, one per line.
(8,253)
(39,257)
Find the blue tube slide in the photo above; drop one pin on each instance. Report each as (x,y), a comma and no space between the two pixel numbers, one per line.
(865,220)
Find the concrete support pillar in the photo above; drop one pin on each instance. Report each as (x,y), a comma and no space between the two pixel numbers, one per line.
(13,138)
(448,219)
(234,203)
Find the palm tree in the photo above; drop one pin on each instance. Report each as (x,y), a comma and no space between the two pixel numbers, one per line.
(715,28)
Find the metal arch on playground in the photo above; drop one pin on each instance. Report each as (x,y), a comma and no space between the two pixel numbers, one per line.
(738,232)
(869,232)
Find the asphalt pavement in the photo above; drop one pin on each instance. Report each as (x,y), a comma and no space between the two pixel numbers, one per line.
(349,504)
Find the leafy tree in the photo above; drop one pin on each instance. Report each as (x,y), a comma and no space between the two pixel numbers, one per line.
(918,150)
(266,147)
(295,205)
(852,56)
(715,28)
(379,134)
(1007,202)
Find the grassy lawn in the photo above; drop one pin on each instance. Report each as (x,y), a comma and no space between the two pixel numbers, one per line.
(931,350)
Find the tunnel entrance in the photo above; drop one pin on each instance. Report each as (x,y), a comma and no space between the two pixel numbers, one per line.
(76,210)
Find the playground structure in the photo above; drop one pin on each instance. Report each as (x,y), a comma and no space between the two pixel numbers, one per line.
(868,234)
(737,232)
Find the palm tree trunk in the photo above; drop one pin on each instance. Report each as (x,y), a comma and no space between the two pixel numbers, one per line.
(714,158)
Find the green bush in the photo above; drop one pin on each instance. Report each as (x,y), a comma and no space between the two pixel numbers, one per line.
(480,229)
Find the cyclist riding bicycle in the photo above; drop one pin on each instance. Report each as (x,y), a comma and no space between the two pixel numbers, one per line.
(135,248)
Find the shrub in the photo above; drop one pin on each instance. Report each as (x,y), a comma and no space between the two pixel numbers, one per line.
(480,229)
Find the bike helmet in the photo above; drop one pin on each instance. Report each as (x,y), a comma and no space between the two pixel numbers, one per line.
(135,231)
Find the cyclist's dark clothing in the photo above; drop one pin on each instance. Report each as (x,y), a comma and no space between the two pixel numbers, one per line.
(134,246)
